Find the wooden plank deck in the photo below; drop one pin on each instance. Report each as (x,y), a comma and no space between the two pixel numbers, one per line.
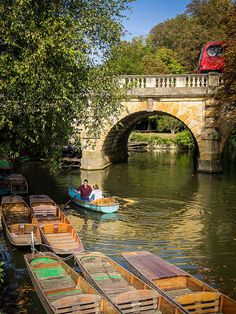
(151,266)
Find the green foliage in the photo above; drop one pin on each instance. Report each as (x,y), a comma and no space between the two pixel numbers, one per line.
(137,57)
(1,272)
(127,57)
(150,138)
(188,32)
(50,77)
(169,124)
(162,60)
(184,140)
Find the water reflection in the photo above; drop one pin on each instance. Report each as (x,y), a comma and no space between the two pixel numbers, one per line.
(168,209)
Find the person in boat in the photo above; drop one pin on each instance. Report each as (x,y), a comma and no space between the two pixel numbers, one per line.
(84,190)
(96,193)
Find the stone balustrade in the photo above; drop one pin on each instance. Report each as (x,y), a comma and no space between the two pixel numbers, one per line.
(171,83)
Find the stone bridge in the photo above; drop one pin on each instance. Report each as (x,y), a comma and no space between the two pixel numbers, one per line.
(188,98)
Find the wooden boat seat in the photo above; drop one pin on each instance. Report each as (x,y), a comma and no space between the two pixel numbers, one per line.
(18,220)
(83,303)
(178,292)
(59,293)
(201,302)
(24,239)
(49,272)
(56,283)
(45,210)
(137,301)
(22,228)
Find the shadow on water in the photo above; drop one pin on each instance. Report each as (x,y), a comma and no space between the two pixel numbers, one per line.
(185,217)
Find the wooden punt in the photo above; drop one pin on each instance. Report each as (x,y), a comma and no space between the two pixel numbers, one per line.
(123,289)
(56,231)
(61,289)
(106,205)
(17,184)
(194,295)
(18,222)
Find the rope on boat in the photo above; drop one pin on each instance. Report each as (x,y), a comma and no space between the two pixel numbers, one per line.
(63,258)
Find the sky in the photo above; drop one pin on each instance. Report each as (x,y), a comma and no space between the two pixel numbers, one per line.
(147,13)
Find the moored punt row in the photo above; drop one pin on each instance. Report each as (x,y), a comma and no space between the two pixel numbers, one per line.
(56,230)
(157,286)
(45,219)
(18,222)
(61,289)
(175,284)
(123,289)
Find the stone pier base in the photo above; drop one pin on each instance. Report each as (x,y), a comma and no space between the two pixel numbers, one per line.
(209,166)
(210,156)
(94,160)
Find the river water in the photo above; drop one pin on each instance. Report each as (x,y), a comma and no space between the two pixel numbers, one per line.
(187,218)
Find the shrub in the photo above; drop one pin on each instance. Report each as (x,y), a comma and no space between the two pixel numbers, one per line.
(184,140)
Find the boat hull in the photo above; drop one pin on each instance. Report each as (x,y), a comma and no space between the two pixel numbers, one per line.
(127,292)
(108,209)
(57,233)
(63,290)
(176,284)
(18,222)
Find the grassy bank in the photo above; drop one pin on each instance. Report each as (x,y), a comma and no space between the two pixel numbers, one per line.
(183,139)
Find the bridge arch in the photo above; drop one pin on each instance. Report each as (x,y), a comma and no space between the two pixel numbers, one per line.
(112,145)
(115,144)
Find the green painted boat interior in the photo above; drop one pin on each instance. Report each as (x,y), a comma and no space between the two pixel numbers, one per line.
(42,273)
(42,260)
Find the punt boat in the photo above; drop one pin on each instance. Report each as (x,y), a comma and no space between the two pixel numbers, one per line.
(123,289)
(17,184)
(106,205)
(61,289)
(18,222)
(56,231)
(194,295)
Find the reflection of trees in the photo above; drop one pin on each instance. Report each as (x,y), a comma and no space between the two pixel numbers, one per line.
(216,251)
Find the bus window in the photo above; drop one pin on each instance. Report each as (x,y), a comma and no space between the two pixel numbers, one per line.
(215,50)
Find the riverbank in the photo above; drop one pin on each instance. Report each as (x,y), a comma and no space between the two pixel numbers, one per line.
(161,141)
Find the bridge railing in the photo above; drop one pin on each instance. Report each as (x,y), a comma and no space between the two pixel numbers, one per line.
(171,80)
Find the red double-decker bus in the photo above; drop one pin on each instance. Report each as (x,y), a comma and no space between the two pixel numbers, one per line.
(212,57)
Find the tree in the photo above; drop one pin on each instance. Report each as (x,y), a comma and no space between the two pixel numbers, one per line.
(50,73)
(162,61)
(226,109)
(137,58)
(187,33)
(169,124)
(127,57)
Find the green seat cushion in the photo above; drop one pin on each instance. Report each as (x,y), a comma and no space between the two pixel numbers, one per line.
(43,273)
(64,293)
(107,277)
(42,260)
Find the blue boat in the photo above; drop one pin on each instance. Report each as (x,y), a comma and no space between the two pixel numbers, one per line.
(104,205)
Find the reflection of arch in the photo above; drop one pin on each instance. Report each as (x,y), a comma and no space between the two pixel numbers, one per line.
(115,145)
